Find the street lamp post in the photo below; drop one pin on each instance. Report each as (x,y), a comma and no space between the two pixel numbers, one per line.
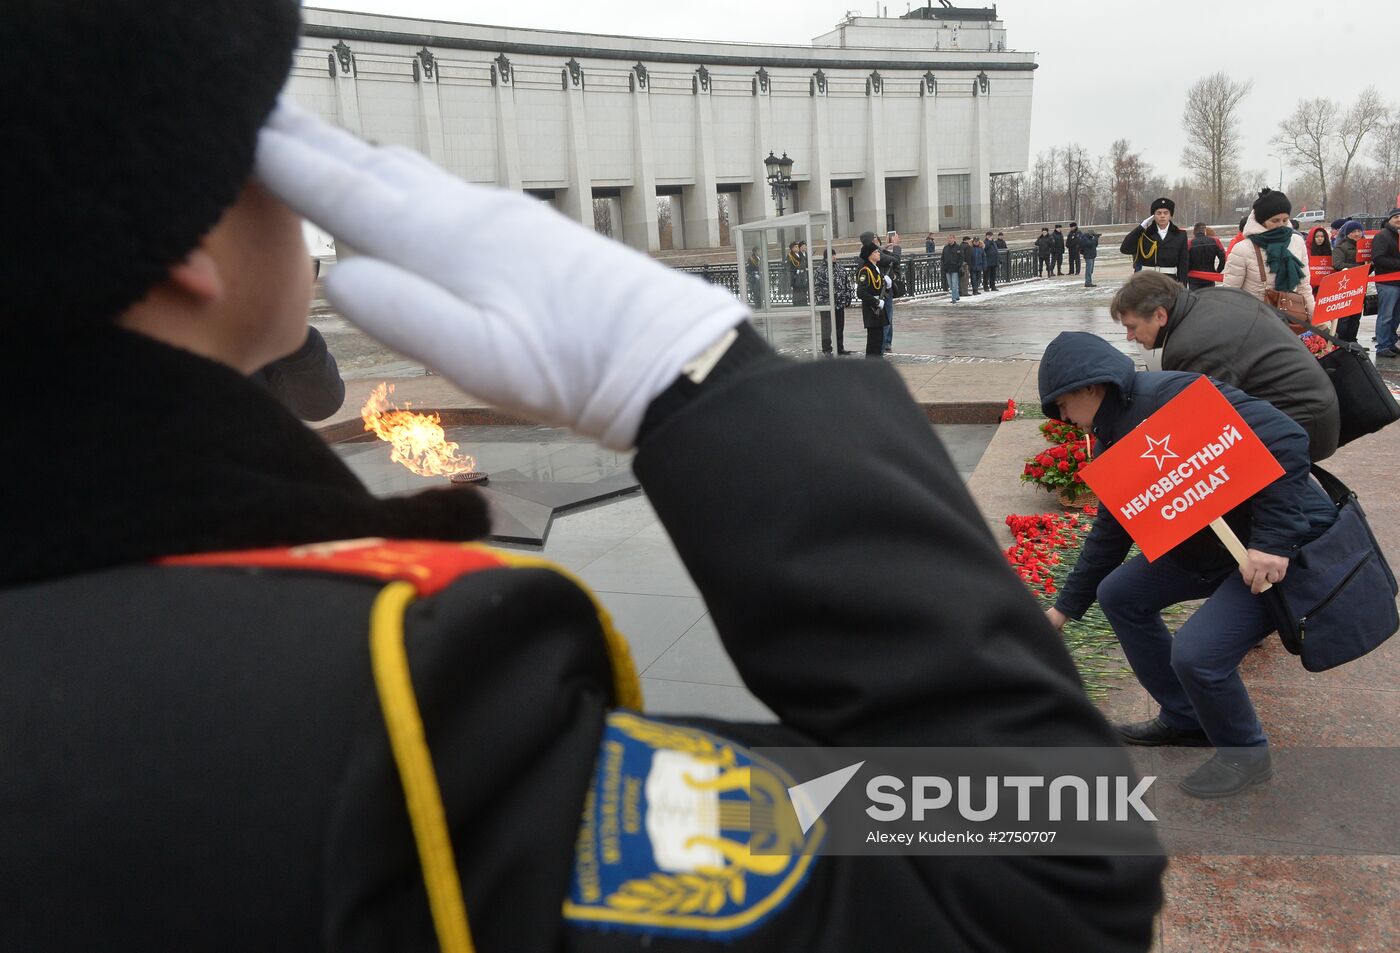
(1273,155)
(779,177)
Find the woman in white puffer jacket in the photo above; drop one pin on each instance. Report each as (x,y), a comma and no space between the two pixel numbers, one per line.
(1268,229)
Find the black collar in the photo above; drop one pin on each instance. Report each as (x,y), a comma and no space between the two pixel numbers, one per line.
(127,449)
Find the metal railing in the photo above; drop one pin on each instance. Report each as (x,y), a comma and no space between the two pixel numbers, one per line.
(922,273)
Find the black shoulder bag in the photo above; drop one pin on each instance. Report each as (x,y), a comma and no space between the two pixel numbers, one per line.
(1363,399)
(1337,601)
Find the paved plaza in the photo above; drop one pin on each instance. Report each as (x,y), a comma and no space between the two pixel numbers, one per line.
(962,362)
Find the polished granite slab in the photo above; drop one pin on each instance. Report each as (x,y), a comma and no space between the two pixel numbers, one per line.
(619,548)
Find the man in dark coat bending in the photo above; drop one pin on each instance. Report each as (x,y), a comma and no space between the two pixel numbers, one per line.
(1236,339)
(250,706)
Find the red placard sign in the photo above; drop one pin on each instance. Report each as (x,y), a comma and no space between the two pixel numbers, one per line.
(1341,295)
(1318,268)
(1189,463)
(1363,246)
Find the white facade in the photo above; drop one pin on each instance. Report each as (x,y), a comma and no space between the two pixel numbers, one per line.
(880,116)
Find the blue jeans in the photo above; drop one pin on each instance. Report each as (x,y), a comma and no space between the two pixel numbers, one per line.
(952,278)
(1088,271)
(1387,311)
(889,328)
(1195,676)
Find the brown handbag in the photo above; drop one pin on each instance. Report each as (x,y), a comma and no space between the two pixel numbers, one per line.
(1292,304)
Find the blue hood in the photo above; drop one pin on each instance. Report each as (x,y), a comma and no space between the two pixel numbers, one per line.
(1077,359)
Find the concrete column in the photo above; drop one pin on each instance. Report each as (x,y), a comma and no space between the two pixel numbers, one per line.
(923,188)
(576,199)
(639,227)
(870,190)
(981,184)
(819,188)
(425,76)
(507,128)
(756,197)
(347,97)
(700,201)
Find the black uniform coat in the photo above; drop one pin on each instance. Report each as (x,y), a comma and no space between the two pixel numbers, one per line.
(194,758)
(872,287)
(1148,248)
(1278,519)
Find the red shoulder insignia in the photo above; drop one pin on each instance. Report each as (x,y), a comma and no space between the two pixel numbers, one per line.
(429,564)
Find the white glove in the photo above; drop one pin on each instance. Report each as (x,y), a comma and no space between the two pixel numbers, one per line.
(585,334)
(1148,221)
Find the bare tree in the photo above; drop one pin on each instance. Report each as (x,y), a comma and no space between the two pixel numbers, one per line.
(1386,151)
(1306,138)
(602,217)
(1130,175)
(1079,177)
(1365,116)
(1212,123)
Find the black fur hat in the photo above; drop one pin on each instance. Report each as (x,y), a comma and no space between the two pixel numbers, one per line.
(1165,203)
(129,128)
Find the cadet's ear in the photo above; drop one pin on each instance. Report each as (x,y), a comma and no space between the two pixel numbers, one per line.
(198,276)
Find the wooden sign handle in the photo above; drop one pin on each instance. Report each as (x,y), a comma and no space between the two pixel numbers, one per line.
(1233,544)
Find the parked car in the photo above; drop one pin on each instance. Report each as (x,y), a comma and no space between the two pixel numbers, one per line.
(1310,217)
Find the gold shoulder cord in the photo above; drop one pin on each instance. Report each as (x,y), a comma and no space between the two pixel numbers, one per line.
(408,741)
(389,660)
(1151,253)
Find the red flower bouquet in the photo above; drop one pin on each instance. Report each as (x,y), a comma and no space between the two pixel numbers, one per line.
(1057,468)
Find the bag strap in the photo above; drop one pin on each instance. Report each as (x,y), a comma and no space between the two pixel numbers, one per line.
(1259,256)
(1335,488)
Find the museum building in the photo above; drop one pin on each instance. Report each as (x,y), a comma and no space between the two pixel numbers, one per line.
(897,122)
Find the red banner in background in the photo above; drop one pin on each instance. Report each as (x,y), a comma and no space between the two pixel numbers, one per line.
(1189,463)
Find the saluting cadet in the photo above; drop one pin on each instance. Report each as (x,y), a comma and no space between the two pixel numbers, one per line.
(870,290)
(250,706)
(1158,244)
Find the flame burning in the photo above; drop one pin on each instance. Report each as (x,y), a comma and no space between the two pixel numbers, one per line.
(416,440)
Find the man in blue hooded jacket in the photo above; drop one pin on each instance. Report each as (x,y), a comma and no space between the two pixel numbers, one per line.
(1194,676)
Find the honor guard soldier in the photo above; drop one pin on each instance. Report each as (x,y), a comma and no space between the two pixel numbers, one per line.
(1158,244)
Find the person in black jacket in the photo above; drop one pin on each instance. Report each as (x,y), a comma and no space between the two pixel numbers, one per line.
(1205,257)
(1072,246)
(306,381)
(1194,675)
(1089,247)
(250,706)
(951,262)
(1044,248)
(993,258)
(1385,263)
(1158,244)
(1057,251)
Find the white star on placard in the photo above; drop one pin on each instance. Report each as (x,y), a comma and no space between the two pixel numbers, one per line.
(1159,452)
(1342,285)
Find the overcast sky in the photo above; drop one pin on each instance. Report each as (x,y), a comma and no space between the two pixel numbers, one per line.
(1108,69)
